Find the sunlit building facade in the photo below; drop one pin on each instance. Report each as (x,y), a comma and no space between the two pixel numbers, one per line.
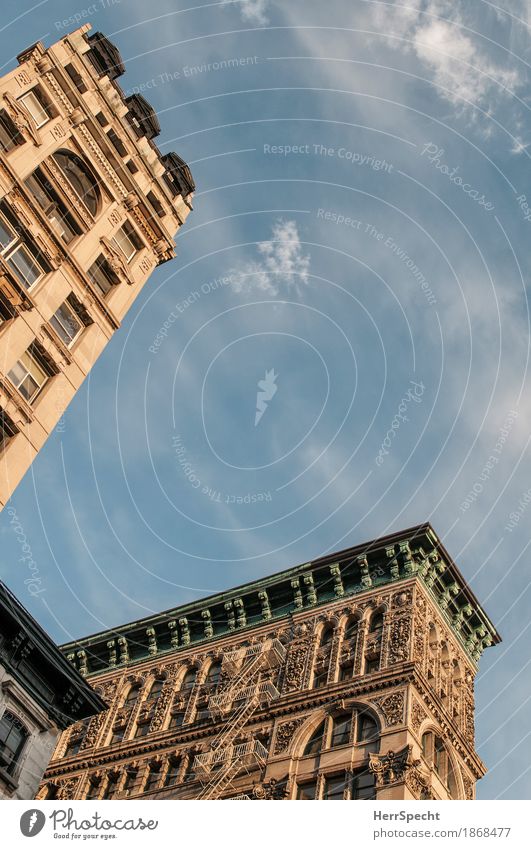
(351,677)
(89,206)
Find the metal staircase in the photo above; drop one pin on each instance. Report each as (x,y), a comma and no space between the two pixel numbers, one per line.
(238,701)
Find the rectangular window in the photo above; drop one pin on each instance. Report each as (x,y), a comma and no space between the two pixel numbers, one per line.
(110,788)
(172,773)
(142,730)
(19,251)
(341,731)
(7,429)
(66,324)
(176,720)
(127,241)
(93,790)
(363,785)
(10,136)
(29,375)
(34,103)
(102,276)
(334,787)
(130,779)
(117,735)
(152,779)
(307,790)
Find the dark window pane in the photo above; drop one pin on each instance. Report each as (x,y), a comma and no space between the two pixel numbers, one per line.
(307,790)
(341,730)
(315,742)
(334,787)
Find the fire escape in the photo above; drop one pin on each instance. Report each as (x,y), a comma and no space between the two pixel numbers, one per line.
(237,702)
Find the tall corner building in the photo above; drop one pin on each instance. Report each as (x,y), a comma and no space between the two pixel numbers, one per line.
(351,677)
(89,206)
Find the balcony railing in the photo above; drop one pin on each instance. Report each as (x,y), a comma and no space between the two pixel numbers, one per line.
(222,703)
(272,651)
(244,754)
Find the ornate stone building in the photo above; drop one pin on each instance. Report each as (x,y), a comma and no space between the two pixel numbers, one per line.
(40,696)
(88,208)
(351,677)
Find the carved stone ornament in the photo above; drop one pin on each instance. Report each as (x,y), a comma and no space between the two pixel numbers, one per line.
(418,715)
(67,789)
(399,640)
(21,118)
(296,666)
(271,789)
(116,260)
(285,734)
(392,708)
(418,783)
(469,787)
(392,767)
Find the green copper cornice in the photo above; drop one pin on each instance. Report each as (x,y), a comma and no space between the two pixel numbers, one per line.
(415,552)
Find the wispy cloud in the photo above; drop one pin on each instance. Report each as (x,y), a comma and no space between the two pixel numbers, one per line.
(252,11)
(437,34)
(282,263)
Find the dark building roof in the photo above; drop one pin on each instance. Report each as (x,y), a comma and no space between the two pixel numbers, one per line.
(414,552)
(105,56)
(40,668)
(143,116)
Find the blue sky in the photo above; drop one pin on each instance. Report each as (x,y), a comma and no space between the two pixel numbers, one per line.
(360,244)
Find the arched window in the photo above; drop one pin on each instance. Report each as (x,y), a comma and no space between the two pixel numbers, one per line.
(376,623)
(214,673)
(356,727)
(189,679)
(327,635)
(367,728)
(436,754)
(374,644)
(132,694)
(315,743)
(156,687)
(80,177)
(13,736)
(351,628)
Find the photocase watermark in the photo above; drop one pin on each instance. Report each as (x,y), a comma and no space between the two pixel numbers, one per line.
(352,156)
(34,583)
(370,230)
(188,71)
(515,516)
(267,389)
(435,155)
(210,492)
(75,19)
(184,304)
(413,395)
(491,463)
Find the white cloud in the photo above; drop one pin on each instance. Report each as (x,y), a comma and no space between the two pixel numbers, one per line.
(459,68)
(282,263)
(436,33)
(252,11)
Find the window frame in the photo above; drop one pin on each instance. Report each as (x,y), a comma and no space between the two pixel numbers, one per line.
(130,235)
(11,756)
(104,271)
(35,93)
(84,170)
(41,368)
(54,321)
(8,429)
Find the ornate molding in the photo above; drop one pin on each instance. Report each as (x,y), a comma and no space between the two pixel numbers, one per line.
(285,734)
(392,707)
